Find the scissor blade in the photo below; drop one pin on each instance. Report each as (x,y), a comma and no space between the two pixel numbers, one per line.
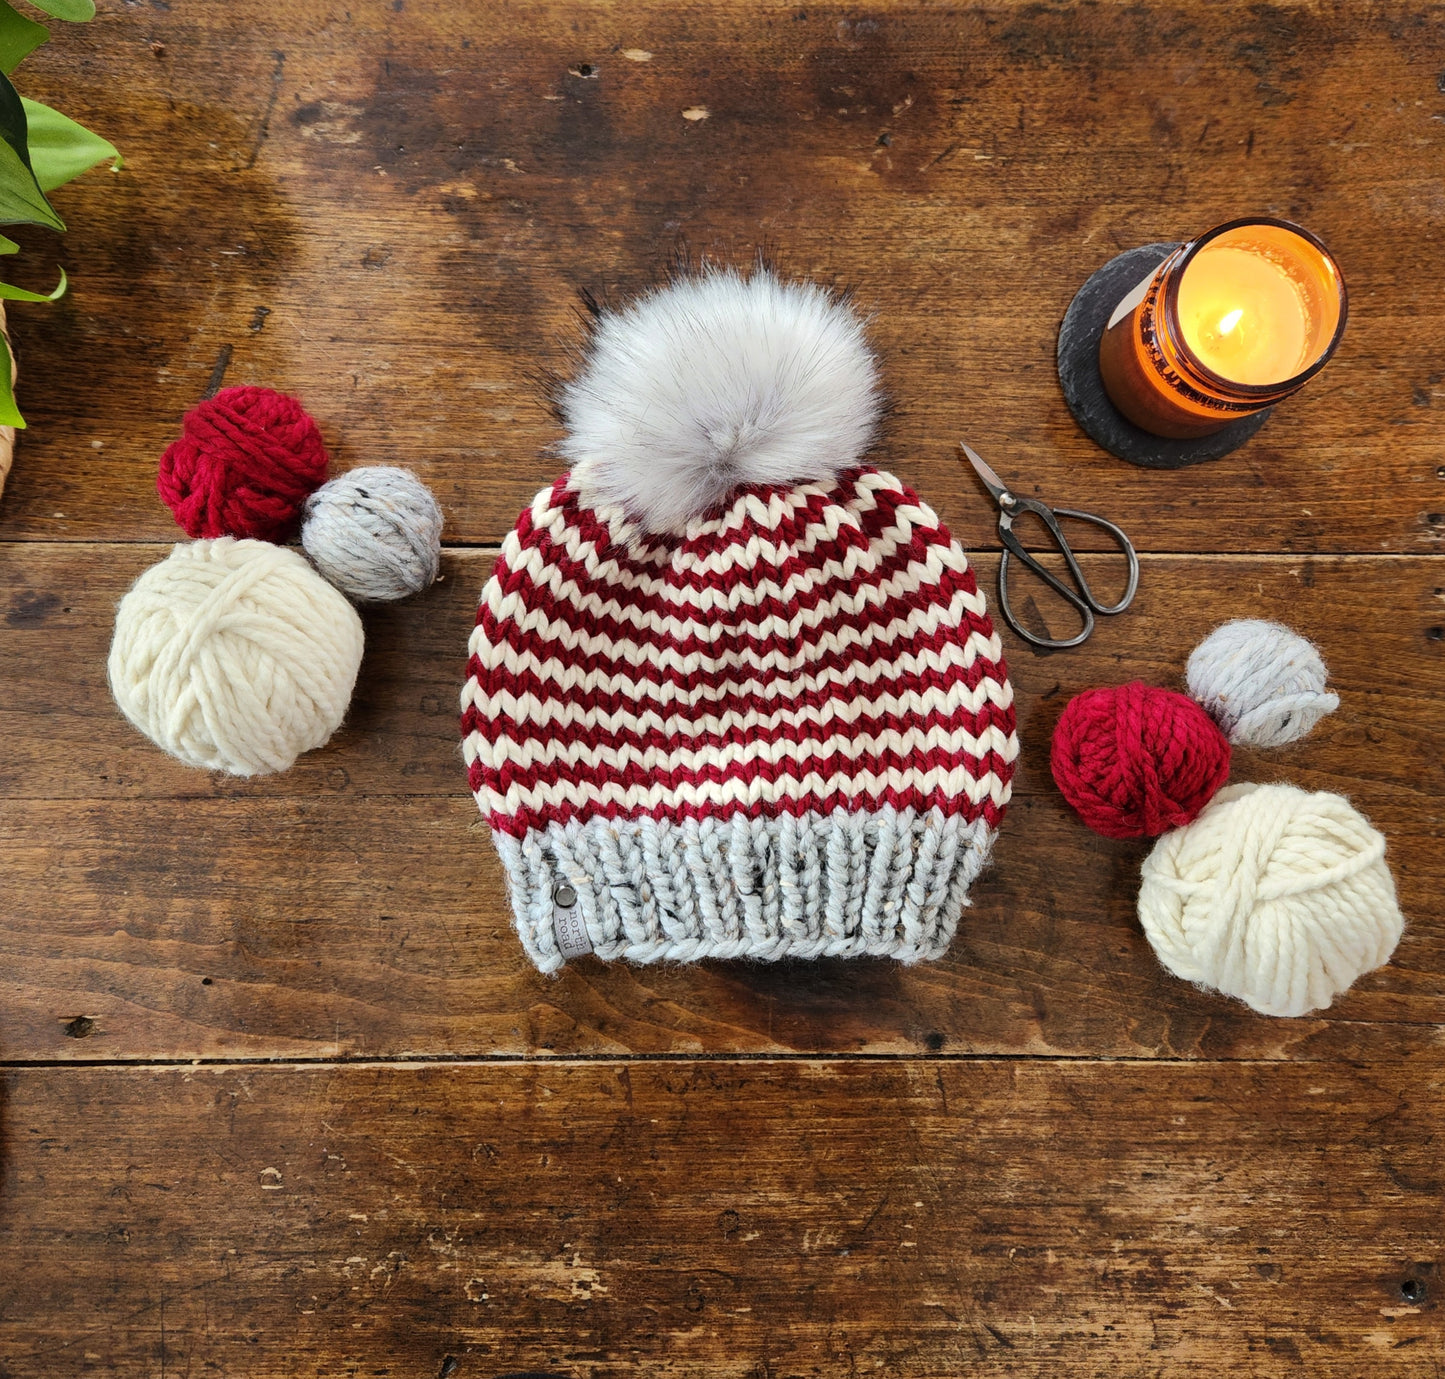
(992,482)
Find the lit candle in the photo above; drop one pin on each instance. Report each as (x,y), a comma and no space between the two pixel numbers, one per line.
(1226,326)
(1245,316)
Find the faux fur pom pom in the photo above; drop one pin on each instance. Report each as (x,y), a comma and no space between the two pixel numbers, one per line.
(717,381)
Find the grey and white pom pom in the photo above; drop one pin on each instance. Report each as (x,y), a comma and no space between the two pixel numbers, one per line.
(715,382)
(1263,684)
(376,533)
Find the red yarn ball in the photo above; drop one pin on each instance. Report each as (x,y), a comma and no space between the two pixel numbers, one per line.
(1137,761)
(243,464)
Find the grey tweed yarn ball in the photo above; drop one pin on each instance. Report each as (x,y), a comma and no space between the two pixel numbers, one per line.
(376,533)
(1263,684)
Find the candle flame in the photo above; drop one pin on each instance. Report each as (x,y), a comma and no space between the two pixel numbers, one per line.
(1229,320)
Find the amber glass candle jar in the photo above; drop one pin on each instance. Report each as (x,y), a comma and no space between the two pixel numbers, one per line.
(1227,325)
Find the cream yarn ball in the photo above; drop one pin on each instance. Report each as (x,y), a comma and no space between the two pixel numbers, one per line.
(1262,683)
(1274,895)
(375,533)
(235,656)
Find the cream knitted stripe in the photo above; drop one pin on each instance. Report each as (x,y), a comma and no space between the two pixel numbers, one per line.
(916,741)
(919,622)
(641,716)
(622,533)
(958,782)
(888,883)
(683,605)
(947,660)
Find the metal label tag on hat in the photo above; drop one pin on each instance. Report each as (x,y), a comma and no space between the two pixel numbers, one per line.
(567,922)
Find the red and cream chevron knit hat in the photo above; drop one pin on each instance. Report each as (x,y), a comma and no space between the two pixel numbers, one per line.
(732,692)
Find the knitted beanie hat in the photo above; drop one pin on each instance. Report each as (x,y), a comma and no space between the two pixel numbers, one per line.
(733,693)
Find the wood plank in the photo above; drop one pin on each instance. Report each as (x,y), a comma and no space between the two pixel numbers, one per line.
(354,906)
(390,210)
(326,928)
(1380,624)
(919,1220)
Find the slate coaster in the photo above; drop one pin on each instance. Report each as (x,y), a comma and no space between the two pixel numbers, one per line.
(1083,387)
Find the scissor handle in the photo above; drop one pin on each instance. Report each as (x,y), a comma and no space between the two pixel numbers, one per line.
(1012,547)
(1082,597)
(1124,544)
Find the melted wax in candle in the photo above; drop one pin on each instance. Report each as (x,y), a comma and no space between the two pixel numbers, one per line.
(1244,315)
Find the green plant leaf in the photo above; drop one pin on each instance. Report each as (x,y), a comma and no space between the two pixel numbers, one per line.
(19,294)
(21,200)
(76,11)
(9,412)
(60,149)
(19,37)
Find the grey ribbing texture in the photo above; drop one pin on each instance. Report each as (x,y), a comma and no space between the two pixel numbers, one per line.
(888,883)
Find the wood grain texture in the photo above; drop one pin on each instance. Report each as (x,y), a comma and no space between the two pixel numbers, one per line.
(1040,1156)
(354,906)
(1380,624)
(920,1220)
(391,210)
(331,929)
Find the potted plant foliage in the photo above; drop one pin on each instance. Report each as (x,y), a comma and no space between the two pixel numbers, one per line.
(40,149)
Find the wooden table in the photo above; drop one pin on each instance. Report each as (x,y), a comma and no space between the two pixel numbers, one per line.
(281,1095)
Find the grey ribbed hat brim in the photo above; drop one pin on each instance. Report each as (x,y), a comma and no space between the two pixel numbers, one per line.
(888,883)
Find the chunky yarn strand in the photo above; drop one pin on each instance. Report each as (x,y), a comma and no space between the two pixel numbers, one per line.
(1135,761)
(235,656)
(1274,895)
(375,533)
(1263,684)
(242,466)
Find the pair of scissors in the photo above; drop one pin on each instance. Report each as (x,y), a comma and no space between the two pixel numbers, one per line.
(1080,597)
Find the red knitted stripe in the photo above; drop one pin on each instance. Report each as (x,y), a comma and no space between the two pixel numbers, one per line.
(675,573)
(599,774)
(794,527)
(568,609)
(585,779)
(806,570)
(599,703)
(724,676)
(862,802)
(641,553)
(796,731)
(730,696)
(658,552)
(622,648)
(621,643)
